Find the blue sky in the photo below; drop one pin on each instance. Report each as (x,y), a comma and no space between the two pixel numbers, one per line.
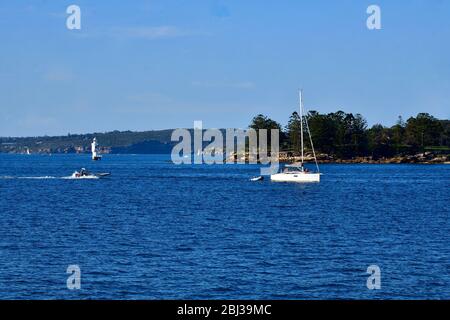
(141,65)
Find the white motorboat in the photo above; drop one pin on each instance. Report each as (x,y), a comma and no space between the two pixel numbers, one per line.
(84,174)
(297,172)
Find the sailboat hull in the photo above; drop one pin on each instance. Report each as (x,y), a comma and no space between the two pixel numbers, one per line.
(296,177)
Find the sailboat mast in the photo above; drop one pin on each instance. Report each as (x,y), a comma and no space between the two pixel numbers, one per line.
(301,122)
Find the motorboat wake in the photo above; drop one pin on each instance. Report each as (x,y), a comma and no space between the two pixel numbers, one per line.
(84,174)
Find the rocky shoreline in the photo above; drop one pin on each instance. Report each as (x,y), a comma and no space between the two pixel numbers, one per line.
(421,158)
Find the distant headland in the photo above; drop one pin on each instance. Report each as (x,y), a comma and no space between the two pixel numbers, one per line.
(338,137)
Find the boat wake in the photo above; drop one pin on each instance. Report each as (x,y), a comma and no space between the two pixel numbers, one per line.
(34,178)
(38,178)
(48,177)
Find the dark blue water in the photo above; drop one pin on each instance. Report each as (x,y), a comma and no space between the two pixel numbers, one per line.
(154,230)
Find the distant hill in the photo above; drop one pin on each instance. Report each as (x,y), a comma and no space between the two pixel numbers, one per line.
(156,141)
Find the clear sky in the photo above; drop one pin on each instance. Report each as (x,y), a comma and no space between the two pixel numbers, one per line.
(141,65)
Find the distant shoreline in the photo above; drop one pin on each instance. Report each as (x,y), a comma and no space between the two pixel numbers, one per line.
(421,158)
(426,159)
(381,162)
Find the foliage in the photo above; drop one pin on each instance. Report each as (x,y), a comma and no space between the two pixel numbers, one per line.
(345,135)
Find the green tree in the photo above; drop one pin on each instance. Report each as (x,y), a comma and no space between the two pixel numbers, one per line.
(423,130)
(358,134)
(293,132)
(379,142)
(398,133)
(323,131)
(262,122)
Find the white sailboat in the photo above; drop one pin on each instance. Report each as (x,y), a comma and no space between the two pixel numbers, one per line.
(95,155)
(297,172)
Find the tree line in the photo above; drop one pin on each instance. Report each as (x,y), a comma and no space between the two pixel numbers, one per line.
(346,135)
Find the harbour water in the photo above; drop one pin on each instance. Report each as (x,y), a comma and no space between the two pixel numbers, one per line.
(154,230)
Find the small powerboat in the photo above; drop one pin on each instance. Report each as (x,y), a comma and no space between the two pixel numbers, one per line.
(260,178)
(84,174)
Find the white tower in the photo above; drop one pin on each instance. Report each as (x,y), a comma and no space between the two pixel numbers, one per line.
(94,150)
